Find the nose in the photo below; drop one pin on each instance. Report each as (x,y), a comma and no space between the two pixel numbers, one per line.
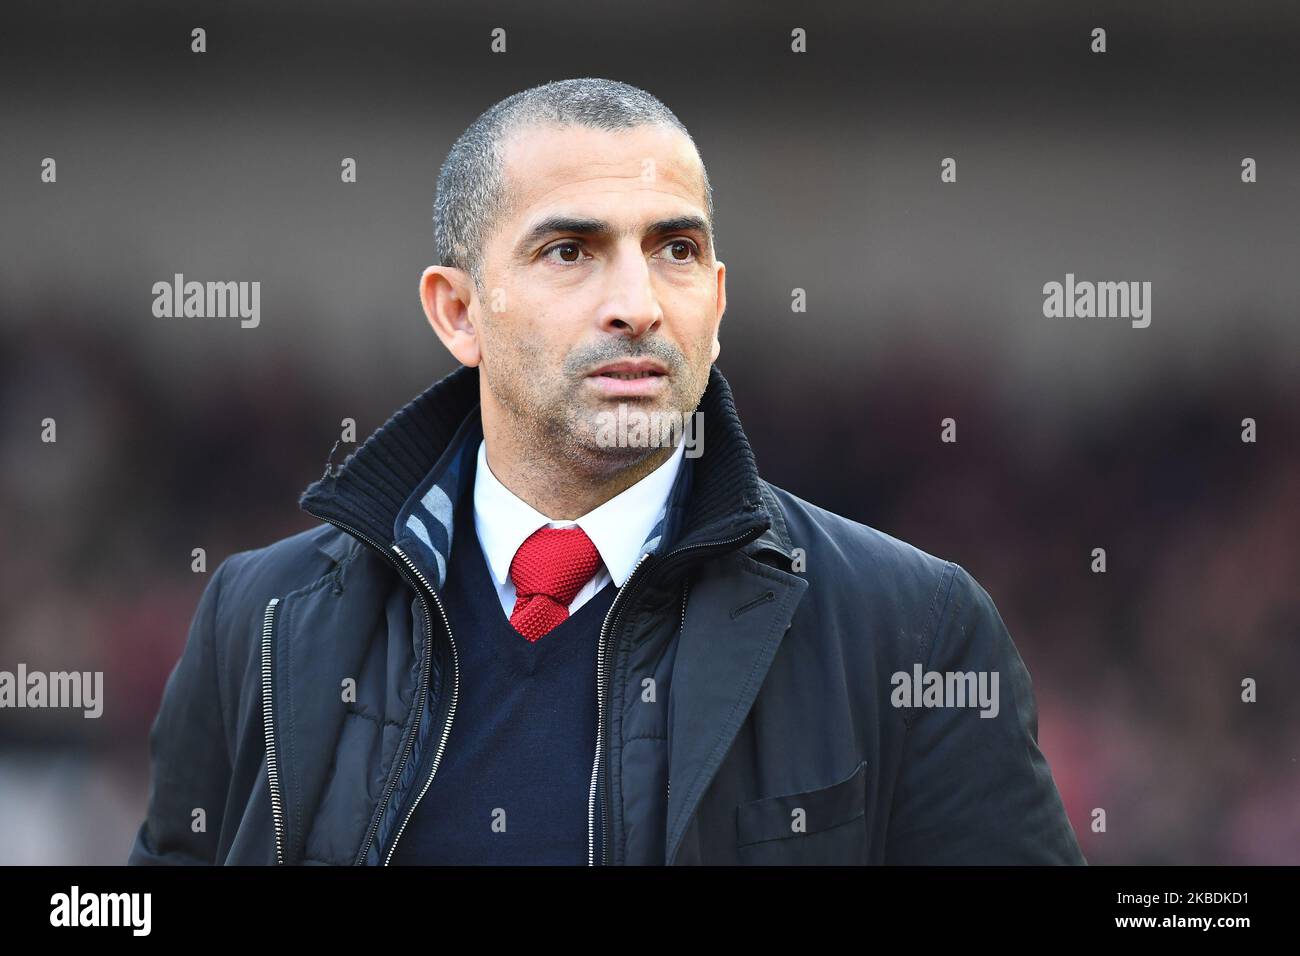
(630,306)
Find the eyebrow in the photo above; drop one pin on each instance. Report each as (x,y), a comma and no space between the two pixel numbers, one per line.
(576,225)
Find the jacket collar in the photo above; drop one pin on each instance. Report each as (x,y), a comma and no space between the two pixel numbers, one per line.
(399,487)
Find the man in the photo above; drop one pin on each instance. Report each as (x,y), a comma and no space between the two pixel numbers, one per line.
(522,634)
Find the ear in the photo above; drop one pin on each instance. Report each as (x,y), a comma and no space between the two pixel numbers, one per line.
(722,307)
(447,294)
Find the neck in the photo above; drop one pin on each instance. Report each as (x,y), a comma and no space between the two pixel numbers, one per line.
(559,484)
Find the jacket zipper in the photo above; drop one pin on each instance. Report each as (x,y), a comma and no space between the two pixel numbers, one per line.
(424,684)
(601,692)
(451,711)
(268,728)
(686,588)
(600,729)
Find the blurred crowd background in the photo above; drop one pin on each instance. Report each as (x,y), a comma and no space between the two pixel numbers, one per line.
(924,303)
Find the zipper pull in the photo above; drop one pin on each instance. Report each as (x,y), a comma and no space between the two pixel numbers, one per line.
(331,470)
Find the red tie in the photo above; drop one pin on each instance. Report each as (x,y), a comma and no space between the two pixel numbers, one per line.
(549,570)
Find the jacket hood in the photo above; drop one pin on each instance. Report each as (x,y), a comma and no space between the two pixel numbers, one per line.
(398,487)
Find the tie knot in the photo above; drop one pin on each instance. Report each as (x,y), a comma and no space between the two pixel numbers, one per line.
(555,562)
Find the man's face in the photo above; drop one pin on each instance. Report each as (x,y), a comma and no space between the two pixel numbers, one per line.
(600,259)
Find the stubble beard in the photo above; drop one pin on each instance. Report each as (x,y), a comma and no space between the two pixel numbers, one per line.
(553,423)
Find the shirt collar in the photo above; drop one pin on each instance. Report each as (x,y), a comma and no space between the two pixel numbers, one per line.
(617,528)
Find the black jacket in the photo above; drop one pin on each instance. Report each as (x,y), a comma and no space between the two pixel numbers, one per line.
(747,690)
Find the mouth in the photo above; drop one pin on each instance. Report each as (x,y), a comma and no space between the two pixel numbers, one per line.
(630,369)
(629,378)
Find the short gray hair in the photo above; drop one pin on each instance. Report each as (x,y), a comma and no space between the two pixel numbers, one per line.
(471,184)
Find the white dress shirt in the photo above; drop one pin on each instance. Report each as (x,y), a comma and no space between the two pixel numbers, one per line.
(617,528)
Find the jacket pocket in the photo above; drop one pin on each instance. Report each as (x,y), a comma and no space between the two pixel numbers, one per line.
(826,825)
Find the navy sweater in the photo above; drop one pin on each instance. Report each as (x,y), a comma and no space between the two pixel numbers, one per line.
(515,778)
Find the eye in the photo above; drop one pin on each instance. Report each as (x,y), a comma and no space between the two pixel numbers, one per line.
(568,244)
(686,246)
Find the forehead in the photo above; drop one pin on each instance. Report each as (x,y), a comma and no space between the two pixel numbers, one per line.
(552,166)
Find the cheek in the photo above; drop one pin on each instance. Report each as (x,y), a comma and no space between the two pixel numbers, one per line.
(705,338)
(543,325)
(524,312)
(509,320)
(526,342)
